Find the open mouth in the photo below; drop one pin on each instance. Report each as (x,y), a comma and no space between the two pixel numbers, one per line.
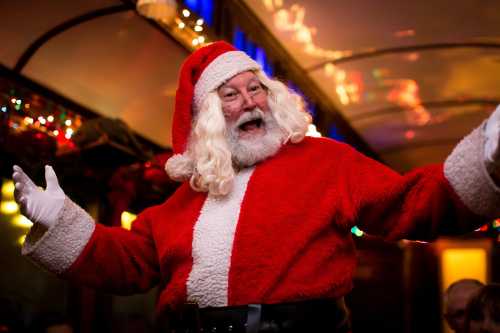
(251,125)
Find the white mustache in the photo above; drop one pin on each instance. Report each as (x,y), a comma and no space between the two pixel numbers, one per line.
(249,116)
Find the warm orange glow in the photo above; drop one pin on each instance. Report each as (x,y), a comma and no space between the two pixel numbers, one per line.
(291,20)
(405,93)
(458,263)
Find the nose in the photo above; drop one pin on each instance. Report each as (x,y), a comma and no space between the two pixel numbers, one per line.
(248,102)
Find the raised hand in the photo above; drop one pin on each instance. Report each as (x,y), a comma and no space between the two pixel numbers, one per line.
(38,205)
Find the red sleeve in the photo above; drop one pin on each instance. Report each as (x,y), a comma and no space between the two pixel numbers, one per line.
(418,205)
(118,260)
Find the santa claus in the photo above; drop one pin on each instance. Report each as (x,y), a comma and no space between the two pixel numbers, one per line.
(259,231)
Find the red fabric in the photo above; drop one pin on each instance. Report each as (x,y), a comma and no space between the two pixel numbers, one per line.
(190,72)
(293,239)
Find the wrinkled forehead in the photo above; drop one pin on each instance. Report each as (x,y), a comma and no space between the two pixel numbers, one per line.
(240,79)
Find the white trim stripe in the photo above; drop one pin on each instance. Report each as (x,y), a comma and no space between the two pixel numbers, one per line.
(207,284)
(220,70)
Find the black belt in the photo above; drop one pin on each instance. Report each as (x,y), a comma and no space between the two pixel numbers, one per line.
(324,315)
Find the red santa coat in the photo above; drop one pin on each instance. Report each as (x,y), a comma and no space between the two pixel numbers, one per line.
(284,236)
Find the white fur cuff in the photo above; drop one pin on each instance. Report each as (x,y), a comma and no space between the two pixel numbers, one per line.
(466,171)
(63,242)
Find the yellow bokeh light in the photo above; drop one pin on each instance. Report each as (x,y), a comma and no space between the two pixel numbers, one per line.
(8,189)
(21,240)
(22,222)
(459,263)
(9,207)
(127,219)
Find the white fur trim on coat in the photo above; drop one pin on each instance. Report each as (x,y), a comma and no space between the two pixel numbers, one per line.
(466,171)
(219,71)
(213,237)
(62,243)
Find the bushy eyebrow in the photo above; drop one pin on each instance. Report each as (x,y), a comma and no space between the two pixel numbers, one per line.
(228,85)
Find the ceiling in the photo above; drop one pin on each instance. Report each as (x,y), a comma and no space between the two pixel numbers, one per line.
(117,64)
(411,78)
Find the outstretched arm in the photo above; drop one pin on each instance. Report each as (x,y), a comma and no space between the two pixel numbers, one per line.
(65,240)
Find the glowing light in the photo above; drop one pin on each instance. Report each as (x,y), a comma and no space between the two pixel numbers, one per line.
(409,134)
(201,39)
(13,100)
(405,93)
(357,232)
(21,240)
(8,189)
(56,132)
(28,120)
(69,133)
(199,21)
(127,219)
(50,118)
(67,122)
(9,207)
(185,13)
(458,263)
(195,41)
(496,224)
(42,120)
(4,109)
(312,131)
(329,69)
(292,20)
(18,102)
(27,105)
(342,93)
(22,222)
(181,25)
(198,28)
(405,33)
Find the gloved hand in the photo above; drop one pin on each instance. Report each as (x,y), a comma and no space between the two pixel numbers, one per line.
(492,134)
(38,205)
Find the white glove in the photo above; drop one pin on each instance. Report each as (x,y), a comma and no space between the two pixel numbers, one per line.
(492,134)
(38,205)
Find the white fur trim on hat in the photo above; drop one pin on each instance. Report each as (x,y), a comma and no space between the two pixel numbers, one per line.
(179,167)
(220,70)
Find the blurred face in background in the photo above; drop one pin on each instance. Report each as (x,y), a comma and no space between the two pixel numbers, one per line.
(487,324)
(456,304)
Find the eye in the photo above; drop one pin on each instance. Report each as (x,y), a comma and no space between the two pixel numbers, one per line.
(255,88)
(229,95)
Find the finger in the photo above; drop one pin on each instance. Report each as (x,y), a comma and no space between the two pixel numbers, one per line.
(20,177)
(51,179)
(19,190)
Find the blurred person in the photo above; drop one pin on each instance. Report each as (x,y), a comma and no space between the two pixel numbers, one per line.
(456,298)
(257,237)
(483,310)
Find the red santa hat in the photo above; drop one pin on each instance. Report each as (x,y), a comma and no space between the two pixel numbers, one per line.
(203,71)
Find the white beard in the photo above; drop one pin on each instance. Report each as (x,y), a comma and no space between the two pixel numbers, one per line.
(250,151)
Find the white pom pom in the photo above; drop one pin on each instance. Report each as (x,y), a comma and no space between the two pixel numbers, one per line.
(179,167)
